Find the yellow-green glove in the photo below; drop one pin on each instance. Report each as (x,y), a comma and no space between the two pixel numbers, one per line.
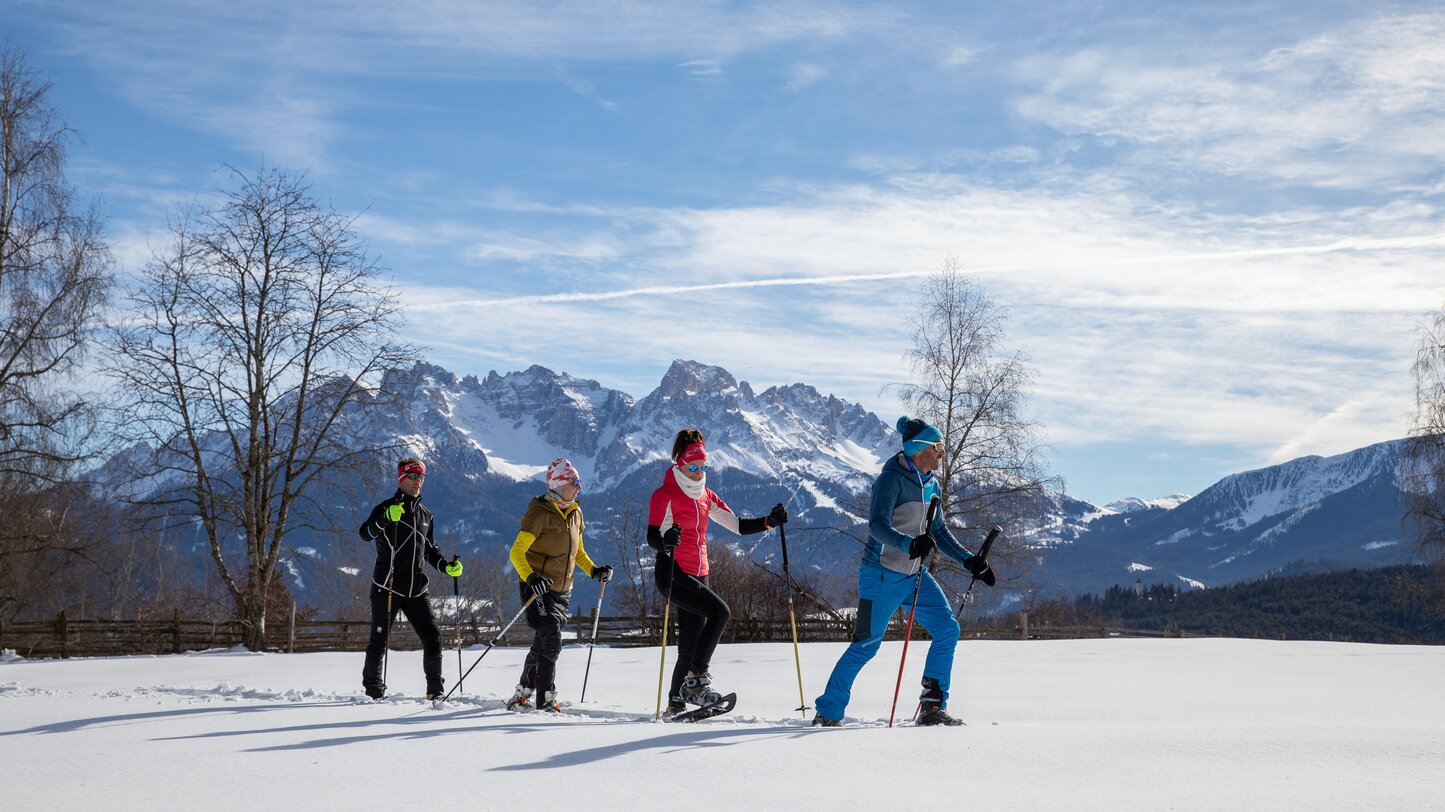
(394,511)
(453,568)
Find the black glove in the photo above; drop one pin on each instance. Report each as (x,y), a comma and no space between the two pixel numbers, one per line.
(979,568)
(603,573)
(671,538)
(779,515)
(920,546)
(539,584)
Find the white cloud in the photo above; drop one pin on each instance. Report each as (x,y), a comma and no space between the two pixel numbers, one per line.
(804,75)
(1356,108)
(272,77)
(959,55)
(1276,335)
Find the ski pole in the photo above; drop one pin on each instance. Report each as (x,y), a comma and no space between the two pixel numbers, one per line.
(457,607)
(662,659)
(492,644)
(908,634)
(593,642)
(793,619)
(662,656)
(386,653)
(982,555)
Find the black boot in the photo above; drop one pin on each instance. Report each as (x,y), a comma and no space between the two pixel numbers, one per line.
(932,711)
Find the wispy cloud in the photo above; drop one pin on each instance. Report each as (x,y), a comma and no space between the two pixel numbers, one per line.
(1355,108)
(1145,323)
(274,78)
(804,75)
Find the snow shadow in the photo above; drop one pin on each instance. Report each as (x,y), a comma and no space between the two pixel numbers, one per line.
(77,725)
(692,739)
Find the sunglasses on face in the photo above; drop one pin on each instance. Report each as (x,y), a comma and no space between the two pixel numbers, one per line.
(413,476)
(937,446)
(695,468)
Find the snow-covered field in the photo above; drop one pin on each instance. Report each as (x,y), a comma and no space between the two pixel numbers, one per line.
(1087,724)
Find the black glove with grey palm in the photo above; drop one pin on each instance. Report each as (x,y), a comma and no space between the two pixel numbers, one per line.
(539,584)
(602,573)
(671,538)
(978,567)
(921,546)
(778,516)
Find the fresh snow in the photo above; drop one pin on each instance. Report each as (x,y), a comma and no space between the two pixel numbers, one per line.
(514,449)
(1137,567)
(1080,725)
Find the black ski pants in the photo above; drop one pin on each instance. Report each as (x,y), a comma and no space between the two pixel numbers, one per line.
(547,616)
(418,613)
(701,618)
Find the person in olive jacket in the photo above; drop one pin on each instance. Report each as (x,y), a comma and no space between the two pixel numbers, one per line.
(401,527)
(546,550)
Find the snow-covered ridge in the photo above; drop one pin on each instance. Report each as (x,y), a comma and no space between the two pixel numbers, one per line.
(513,425)
(1134,504)
(1243,499)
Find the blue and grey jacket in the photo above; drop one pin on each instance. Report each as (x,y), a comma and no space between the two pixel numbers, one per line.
(899,512)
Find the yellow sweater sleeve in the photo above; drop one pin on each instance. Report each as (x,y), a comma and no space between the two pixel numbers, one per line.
(519,553)
(583,560)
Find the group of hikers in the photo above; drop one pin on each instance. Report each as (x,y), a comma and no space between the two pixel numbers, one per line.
(548,549)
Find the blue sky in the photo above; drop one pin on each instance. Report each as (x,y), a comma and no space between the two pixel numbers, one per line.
(1217,228)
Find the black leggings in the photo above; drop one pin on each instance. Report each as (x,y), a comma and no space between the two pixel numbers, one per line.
(701,618)
(418,611)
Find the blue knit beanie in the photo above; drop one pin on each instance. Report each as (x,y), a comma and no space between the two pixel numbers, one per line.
(917,435)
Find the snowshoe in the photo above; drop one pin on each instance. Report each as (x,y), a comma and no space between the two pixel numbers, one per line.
(819,720)
(697,690)
(549,703)
(936,715)
(376,692)
(930,706)
(718,708)
(675,705)
(521,700)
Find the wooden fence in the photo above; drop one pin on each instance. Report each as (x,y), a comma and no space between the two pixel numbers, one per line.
(63,637)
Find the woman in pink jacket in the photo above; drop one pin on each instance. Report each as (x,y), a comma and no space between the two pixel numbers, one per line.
(677,519)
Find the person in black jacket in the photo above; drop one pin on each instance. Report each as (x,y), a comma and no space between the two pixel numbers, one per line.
(402,529)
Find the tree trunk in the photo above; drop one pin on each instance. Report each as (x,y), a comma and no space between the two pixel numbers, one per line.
(253,617)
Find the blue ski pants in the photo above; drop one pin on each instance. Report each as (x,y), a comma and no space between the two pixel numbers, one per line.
(880,593)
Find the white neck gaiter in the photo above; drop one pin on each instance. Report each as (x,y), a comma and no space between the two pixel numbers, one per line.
(693,488)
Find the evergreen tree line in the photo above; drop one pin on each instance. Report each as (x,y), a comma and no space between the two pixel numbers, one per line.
(1399,604)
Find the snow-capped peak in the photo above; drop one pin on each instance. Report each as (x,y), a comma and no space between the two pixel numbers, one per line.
(1134,504)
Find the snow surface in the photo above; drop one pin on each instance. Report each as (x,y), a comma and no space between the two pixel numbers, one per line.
(1081,724)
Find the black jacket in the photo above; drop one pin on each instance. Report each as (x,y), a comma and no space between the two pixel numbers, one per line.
(402,546)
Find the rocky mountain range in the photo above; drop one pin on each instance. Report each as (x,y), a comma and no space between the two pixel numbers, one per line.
(487,442)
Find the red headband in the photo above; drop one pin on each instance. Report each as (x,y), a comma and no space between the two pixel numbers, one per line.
(693,453)
(409,468)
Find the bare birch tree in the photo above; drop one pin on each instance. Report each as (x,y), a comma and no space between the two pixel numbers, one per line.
(1423,475)
(245,364)
(54,276)
(975,392)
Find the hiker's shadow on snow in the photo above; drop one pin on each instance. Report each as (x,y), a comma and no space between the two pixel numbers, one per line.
(76,725)
(427,726)
(670,742)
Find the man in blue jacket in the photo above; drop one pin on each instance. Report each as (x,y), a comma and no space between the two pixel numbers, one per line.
(898,544)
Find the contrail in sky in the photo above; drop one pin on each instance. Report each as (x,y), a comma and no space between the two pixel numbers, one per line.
(1425,241)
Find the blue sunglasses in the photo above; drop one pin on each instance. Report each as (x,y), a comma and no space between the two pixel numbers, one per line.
(695,468)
